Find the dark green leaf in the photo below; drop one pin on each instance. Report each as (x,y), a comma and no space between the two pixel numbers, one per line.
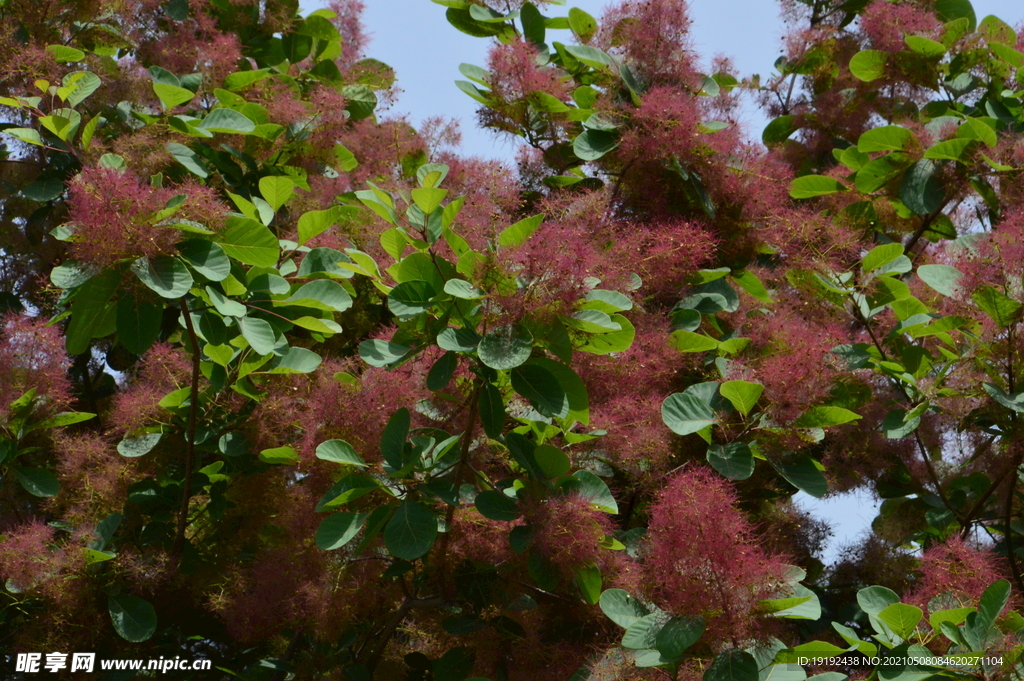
(392,440)
(138,324)
(734,460)
(38,482)
(206,258)
(591,145)
(545,393)
(134,619)
(411,531)
(921,190)
(678,634)
(339,529)
(132,447)
(505,347)
(441,373)
(380,353)
(803,474)
(496,506)
(732,665)
(492,410)
(778,131)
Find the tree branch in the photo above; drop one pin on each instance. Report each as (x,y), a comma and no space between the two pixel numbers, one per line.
(190,435)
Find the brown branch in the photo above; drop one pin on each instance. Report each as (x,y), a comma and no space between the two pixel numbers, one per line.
(190,435)
(1007,514)
(384,637)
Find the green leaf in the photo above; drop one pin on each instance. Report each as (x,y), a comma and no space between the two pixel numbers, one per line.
(315,222)
(38,482)
(65,418)
(622,608)
(28,135)
(441,373)
(240,79)
(259,334)
(167,276)
(392,440)
(779,130)
(339,451)
(874,599)
(460,288)
(133,447)
(591,56)
(533,24)
(881,255)
(284,455)
(505,347)
(732,665)
(188,158)
(879,172)
(79,85)
(360,101)
(295,361)
(921,190)
(495,505)
(678,634)
(138,324)
(321,294)
(411,531)
(380,353)
(276,189)
(822,417)
(134,619)
(885,138)
(582,24)
(868,65)
(572,385)
(992,602)
(89,308)
(615,341)
(411,298)
(593,489)
(809,186)
(542,389)
(688,341)
(685,414)
(950,150)
(339,529)
(249,242)
(926,47)
(227,121)
(552,461)
(734,460)
(172,95)
(950,10)
(588,581)
(206,258)
(942,278)
(517,234)
(742,394)
(901,618)
(492,410)
(591,145)
(428,199)
(1000,307)
(65,54)
(803,474)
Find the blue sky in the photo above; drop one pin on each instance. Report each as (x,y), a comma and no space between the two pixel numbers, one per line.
(415,39)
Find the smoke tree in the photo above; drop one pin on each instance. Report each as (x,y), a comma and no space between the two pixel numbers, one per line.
(292,385)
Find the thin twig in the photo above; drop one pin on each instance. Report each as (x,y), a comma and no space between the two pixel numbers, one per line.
(190,435)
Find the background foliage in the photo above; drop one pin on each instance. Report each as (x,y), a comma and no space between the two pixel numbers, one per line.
(291,385)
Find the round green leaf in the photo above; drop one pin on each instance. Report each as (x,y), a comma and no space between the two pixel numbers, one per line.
(134,618)
(227,121)
(868,65)
(885,138)
(685,414)
(540,386)
(733,665)
(821,417)
(591,145)
(138,324)
(622,608)
(496,506)
(921,190)
(809,186)
(380,353)
(505,347)
(276,190)
(734,460)
(339,451)
(742,394)
(206,258)
(552,461)
(642,634)
(411,531)
(133,447)
(168,276)
(678,634)
(337,530)
(259,334)
(593,489)
(778,131)
(38,482)
(410,298)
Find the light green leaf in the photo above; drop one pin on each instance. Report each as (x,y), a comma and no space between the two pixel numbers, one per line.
(822,417)
(517,234)
(249,242)
(803,474)
(885,138)
(172,95)
(284,455)
(276,189)
(950,150)
(809,186)
(742,394)
(259,334)
(901,618)
(380,353)
(942,278)
(167,276)
(227,121)
(926,47)
(868,65)
(622,608)
(133,447)
(428,199)
(593,489)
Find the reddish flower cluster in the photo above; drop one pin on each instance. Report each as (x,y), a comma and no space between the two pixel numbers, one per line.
(703,558)
(956,570)
(32,356)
